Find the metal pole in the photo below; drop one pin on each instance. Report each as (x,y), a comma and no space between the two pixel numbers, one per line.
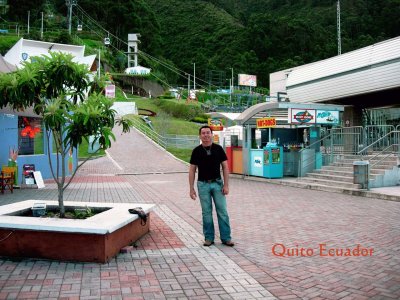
(41,29)
(232,79)
(194,76)
(188,86)
(69,18)
(98,69)
(338,29)
(29,16)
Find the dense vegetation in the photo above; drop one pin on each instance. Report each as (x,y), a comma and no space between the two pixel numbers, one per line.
(252,36)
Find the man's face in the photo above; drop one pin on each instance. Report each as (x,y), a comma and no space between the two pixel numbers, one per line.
(205,135)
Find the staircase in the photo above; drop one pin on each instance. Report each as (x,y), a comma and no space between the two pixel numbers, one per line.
(340,174)
(383,155)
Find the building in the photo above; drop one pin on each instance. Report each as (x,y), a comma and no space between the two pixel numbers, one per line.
(20,129)
(366,81)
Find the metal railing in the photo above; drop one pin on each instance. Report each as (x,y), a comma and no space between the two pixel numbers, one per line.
(175,141)
(380,140)
(182,141)
(391,142)
(159,139)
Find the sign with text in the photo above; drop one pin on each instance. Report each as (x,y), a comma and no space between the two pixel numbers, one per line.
(302,116)
(266,122)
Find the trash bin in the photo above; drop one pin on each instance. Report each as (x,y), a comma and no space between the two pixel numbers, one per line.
(361,173)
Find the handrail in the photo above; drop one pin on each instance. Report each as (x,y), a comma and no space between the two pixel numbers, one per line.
(378,154)
(377,141)
(316,142)
(159,139)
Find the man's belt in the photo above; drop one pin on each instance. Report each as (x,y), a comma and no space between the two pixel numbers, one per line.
(209,180)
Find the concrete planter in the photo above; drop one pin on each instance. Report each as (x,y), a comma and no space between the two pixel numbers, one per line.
(96,239)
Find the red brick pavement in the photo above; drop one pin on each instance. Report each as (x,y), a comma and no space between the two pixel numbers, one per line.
(262,215)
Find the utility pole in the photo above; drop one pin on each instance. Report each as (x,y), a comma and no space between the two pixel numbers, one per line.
(194,76)
(232,79)
(338,29)
(70,3)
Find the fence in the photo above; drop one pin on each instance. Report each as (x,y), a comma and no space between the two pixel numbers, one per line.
(378,141)
(176,141)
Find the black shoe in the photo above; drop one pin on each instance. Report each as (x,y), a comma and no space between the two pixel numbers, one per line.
(208,243)
(229,243)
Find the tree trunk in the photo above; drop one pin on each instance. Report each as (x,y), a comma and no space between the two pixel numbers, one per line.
(61,200)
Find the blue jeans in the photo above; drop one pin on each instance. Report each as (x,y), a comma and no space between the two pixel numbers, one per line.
(209,192)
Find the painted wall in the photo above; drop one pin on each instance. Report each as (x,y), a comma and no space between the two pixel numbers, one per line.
(9,139)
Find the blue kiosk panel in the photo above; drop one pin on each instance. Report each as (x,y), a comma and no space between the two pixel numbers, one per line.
(273,162)
(256,162)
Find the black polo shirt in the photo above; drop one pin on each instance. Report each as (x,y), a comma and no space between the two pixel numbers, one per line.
(209,165)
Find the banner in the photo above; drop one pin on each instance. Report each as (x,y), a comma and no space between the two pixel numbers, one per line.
(247,80)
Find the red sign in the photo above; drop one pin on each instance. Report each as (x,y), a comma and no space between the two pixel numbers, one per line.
(266,122)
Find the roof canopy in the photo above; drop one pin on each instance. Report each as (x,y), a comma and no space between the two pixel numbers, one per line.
(279,111)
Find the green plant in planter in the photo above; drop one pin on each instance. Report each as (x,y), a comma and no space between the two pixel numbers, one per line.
(71,105)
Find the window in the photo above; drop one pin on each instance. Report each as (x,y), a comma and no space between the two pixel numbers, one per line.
(30,136)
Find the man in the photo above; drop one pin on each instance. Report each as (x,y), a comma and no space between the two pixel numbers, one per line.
(208,158)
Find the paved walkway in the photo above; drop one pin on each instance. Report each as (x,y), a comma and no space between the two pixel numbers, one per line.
(300,226)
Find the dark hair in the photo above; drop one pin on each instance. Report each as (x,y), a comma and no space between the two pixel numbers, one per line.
(205,126)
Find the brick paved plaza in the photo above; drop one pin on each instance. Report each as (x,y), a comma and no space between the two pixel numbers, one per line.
(307,230)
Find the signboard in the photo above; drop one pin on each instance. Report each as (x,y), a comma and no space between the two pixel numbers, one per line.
(110,91)
(38,179)
(266,122)
(302,116)
(327,117)
(247,80)
(27,172)
(215,124)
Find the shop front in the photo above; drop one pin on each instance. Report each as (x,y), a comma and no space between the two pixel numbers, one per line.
(279,138)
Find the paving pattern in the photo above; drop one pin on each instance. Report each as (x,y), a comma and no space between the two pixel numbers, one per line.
(171,263)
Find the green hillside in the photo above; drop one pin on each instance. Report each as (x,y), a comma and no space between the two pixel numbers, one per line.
(253,36)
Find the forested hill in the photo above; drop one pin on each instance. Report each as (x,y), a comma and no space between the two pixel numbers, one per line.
(250,36)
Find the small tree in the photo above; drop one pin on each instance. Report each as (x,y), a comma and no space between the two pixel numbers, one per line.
(71,105)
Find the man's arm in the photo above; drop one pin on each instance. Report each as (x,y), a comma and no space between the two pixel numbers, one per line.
(192,172)
(225,172)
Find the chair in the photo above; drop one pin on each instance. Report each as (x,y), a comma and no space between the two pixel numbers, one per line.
(7,179)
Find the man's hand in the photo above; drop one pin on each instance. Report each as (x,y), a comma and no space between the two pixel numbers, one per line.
(193,194)
(225,190)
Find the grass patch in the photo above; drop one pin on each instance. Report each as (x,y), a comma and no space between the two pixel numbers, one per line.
(183,154)
(83,151)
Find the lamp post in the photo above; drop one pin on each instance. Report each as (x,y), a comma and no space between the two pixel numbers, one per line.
(41,29)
